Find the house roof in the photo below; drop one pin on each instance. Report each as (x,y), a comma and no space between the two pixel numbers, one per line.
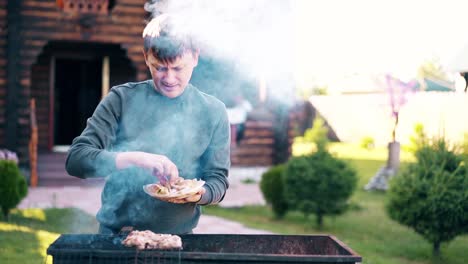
(431,84)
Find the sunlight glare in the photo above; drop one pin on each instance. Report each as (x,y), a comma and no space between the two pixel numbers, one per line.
(334,38)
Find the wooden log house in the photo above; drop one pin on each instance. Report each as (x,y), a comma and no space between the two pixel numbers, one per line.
(66,54)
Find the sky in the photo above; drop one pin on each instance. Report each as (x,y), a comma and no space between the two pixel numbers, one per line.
(336,38)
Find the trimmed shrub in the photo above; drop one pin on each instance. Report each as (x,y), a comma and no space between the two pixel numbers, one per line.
(319,184)
(317,134)
(367,143)
(272,187)
(13,186)
(431,195)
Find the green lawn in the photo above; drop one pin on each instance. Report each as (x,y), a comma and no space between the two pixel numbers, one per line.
(25,238)
(366,228)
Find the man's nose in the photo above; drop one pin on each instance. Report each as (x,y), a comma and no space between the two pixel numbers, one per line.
(169,76)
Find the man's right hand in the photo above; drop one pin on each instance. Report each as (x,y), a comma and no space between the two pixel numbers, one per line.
(160,165)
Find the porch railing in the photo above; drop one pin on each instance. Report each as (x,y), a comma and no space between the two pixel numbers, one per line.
(33,143)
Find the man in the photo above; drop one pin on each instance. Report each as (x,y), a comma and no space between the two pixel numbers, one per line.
(237,116)
(156,130)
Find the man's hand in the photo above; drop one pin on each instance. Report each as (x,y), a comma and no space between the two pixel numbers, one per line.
(160,165)
(191,199)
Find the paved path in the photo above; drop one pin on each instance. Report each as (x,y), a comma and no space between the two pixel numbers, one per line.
(88,199)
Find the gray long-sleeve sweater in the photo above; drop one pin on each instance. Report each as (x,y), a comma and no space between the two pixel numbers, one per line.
(192,130)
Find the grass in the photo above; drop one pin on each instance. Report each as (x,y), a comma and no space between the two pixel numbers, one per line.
(248,181)
(366,228)
(25,237)
(353,151)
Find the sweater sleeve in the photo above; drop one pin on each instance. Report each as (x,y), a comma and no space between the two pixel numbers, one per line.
(88,155)
(216,163)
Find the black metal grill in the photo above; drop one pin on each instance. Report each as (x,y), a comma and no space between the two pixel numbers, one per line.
(206,248)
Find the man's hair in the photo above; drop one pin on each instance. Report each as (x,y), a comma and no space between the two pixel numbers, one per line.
(169,40)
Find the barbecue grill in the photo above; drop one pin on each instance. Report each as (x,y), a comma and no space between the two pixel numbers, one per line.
(205,248)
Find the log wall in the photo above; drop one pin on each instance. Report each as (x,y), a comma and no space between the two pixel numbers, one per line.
(40,92)
(42,21)
(259,145)
(3,72)
(256,147)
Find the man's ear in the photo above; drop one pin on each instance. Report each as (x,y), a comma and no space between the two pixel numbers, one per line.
(145,56)
(195,55)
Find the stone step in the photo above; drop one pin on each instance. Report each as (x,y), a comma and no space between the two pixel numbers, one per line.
(51,167)
(71,181)
(54,175)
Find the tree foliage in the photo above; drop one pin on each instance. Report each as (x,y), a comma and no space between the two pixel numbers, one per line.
(432,68)
(418,139)
(13,186)
(319,184)
(306,92)
(272,187)
(317,134)
(431,195)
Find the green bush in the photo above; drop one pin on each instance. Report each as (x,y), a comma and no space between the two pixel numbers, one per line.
(13,186)
(367,143)
(317,134)
(320,184)
(431,195)
(272,187)
(464,144)
(418,139)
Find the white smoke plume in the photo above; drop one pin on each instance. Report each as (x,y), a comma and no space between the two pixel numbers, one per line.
(256,35)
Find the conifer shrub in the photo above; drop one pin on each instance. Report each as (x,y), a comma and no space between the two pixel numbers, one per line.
(431,195)
(272,187)
(319,184)
(464,145)
(13,186)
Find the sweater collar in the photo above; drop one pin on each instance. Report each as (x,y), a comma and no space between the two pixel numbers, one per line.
(179,98)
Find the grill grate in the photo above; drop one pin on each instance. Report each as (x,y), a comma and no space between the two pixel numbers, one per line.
(206,248)
(103,257)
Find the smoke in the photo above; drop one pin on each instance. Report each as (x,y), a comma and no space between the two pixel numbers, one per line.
(254,35)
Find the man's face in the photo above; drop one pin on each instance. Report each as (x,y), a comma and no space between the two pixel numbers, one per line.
(170,79)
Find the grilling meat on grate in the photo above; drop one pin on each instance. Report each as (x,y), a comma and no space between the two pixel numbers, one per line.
(149,240)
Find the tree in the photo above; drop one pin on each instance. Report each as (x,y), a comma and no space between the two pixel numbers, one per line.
(431,195)
(306,92)
(272,187)
(319,184)
(13,186)
(432,68)
(317,134)
(418,139)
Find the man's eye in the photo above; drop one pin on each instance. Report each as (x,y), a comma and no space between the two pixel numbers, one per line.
(161,69)
(178,68)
